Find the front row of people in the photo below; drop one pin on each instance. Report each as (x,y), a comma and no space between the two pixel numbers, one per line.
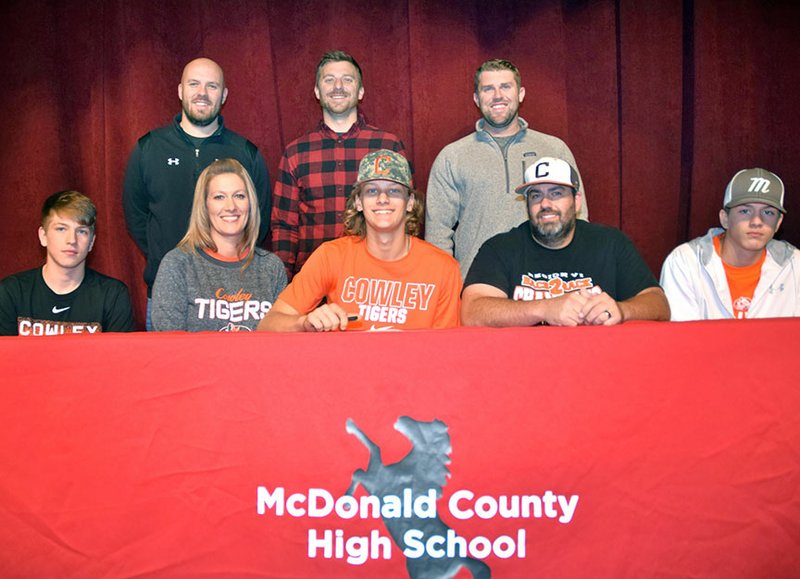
(552,269)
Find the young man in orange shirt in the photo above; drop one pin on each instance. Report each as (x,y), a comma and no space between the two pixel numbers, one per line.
(738,271)
(379,275)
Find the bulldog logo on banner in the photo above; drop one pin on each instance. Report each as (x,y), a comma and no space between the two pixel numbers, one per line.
(422,471)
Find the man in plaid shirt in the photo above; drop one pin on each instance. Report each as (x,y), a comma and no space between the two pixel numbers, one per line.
(318,169)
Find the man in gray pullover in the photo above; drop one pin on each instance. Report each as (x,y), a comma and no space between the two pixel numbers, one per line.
(471,189)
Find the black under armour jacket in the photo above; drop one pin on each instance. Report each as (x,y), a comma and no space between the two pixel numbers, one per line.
(159,185)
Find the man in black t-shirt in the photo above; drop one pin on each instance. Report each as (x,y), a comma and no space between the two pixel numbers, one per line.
(556,270)
(64,296)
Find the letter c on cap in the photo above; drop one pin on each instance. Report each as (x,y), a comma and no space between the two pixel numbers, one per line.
(540,167)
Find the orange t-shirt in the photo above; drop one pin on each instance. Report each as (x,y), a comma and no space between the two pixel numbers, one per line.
(742,281)
(220,257)
(421,290)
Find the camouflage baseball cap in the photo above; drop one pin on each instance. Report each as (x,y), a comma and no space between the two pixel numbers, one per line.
(384,164)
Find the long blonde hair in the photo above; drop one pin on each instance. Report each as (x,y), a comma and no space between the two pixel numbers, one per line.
(198,236)
(355,223)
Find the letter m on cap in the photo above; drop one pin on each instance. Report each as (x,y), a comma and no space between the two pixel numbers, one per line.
(759,185)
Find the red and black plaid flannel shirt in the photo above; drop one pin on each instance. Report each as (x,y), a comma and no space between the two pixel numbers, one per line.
(316,174)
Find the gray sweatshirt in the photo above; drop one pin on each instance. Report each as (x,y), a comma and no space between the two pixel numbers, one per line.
(472,184)
(195,292)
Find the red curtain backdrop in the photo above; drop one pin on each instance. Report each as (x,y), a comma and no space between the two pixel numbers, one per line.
(661,102)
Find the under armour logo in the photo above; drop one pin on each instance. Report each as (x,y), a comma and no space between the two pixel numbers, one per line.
(173,161)
(759,185)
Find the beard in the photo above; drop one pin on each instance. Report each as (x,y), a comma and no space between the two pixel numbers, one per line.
(552,234)
(200,121)
(338,106)
(500,123)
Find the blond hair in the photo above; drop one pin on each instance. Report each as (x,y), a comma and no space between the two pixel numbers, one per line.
(198,236)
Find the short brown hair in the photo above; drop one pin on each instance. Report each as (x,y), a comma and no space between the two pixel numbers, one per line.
(355,224)
(338,56)
(73,204)
(497,64)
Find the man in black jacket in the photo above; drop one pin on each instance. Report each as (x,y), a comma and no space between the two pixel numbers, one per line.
(165,163)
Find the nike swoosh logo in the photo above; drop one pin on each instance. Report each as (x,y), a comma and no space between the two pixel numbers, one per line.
(383,329)
(59,310)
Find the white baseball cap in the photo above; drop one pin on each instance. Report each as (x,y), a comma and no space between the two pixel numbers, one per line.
(550,170)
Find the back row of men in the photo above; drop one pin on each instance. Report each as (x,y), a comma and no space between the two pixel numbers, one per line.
(470,194)
(481,185)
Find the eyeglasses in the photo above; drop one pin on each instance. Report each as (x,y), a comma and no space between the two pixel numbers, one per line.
(536,197)
(398,192)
